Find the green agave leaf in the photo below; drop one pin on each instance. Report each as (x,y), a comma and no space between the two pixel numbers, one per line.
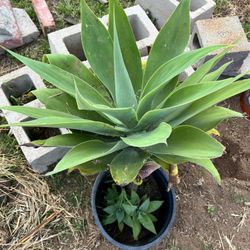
(121,116)
(129,209)
(194,92)
(124,92)
(94,35)
(56,99)
(154,205)
(215,74)
(85,152)
(136,228)
(128,221)
(145,205)
(126,165)
(121,226)
(134,198)
(109,219)
(205,163)
(166,72)
(168,43)
(160,98)
(65,140)
(62,79)
(156,116)
(191,142)
(182,99)
(177,65)
(130,53)
(73,65)
(146,221)
(199,74)
(209,166)
(110,209)
(95,166)
(146,139)
(210,100)
(37,112)
(152,217)
(78,124)
(120,215)
(211,117)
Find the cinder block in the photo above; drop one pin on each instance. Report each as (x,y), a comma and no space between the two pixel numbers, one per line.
(17,83)
(160,10)
(68,40)
(27,27)
(10,35)
(225,30)
(44,16)
(246,66)
(143,28)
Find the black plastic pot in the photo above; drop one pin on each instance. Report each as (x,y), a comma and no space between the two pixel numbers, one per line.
(165,222)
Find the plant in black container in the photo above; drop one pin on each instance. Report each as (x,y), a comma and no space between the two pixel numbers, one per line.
(137,123)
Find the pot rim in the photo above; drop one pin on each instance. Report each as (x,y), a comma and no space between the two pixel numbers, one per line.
(98,223)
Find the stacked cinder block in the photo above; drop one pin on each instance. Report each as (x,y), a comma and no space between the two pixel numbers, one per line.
(16,27)
(15,85)
(68,40)
(160,10)
(225,30)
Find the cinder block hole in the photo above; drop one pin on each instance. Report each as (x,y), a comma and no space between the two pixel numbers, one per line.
(196,42)
(74,45)
(138,27)
(196,4)
(35,133)
(18,90)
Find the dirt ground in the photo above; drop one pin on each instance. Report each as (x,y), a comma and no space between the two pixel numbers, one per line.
(209,217)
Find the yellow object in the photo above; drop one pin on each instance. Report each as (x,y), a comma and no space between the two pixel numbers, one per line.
(213,132)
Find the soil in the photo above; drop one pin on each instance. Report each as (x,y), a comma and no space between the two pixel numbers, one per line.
(228,226)
(41,133)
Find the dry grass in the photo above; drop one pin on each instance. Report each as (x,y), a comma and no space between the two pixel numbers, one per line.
(31,217)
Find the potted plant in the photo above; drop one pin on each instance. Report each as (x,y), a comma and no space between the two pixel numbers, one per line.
(131,120)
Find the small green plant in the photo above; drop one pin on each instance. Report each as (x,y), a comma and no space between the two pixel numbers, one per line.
(211,209)
(130,210)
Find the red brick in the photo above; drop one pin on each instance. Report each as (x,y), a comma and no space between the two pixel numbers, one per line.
(12,37)
(44,16)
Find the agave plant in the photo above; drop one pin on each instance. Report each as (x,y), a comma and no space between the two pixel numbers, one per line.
(122,115)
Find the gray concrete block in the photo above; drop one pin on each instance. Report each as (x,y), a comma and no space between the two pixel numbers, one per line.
(10,35)
(68,40)
(225,30)
(17,83)
(27,27)
(160,10)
